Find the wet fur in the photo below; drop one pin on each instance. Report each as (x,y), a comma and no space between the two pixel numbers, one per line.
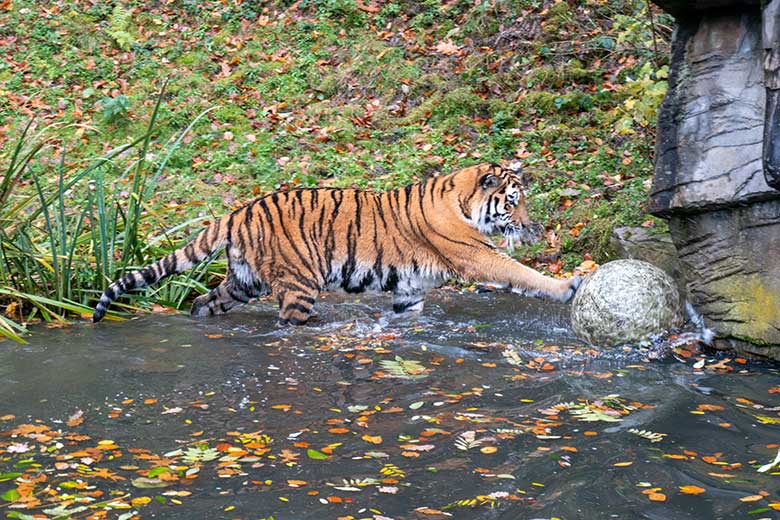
(297,243)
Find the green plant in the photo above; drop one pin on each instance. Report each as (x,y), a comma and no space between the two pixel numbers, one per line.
(119,26)
(644,97)
(57,253)
(114,109)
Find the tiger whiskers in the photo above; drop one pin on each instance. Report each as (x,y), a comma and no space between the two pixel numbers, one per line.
(527,235)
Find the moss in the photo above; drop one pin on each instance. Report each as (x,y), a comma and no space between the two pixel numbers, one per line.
(540,100)
(557,16)
(558,10)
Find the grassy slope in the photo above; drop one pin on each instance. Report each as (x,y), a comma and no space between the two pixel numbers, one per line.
(339,92)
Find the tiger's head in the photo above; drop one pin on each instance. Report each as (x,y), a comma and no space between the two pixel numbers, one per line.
(495,202)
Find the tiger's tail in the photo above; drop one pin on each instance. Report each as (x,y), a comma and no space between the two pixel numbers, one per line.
(208,241)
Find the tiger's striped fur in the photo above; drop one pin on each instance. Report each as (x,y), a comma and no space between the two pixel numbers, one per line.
(299,242)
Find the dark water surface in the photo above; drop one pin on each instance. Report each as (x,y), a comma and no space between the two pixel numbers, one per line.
(473,421)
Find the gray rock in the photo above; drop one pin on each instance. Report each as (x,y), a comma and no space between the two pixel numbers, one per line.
(731,259)
(687,8)
(711,160)
(625,301)
(711,123)
(640,243)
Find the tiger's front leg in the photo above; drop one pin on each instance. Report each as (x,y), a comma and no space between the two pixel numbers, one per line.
(490,265)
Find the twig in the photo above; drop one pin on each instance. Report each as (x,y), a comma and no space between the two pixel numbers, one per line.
(652,30)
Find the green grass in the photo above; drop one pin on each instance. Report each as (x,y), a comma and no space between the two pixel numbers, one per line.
(331,92)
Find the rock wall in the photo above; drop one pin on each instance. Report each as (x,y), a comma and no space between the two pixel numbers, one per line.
(709,177)
(731,258)
(711,123)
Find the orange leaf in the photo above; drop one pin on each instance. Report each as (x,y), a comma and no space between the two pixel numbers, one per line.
(691,490)
(657,497)
(76,419)
(373,439)
(710,408)
(751,498)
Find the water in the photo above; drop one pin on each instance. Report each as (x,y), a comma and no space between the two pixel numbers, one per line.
(494,366)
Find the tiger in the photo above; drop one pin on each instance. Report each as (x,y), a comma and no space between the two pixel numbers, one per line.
(294,244)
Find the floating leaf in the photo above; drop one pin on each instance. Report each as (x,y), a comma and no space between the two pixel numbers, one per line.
(316,455)
(593,415)
(512,357)
(691,490)
(467,441)
(157,471)
(404,369)
(646,434)
(763,469)
(391,470)
(12,495)
(151,483)
(196,455)
(9,476)
(64,512)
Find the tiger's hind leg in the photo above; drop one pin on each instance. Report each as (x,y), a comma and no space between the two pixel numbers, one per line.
(239,287)
(295,301)
(408,301)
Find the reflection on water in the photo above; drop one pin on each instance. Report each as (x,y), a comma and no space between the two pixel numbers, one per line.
(493,369)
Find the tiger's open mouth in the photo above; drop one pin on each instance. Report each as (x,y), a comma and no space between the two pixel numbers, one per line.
(518,233)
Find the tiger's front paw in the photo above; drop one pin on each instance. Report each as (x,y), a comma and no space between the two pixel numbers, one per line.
(570,287)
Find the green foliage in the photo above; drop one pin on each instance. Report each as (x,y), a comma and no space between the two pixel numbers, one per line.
(119,27)
(345,11)
(70,249)
(644,97)
(114,109)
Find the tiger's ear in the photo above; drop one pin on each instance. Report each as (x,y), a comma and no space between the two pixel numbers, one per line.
(489,181)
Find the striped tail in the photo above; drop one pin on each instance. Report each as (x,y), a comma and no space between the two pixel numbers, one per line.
(208,241)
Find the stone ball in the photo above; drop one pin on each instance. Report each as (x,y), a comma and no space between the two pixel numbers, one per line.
(625,301)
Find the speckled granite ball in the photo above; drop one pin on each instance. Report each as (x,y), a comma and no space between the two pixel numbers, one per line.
(625,301)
